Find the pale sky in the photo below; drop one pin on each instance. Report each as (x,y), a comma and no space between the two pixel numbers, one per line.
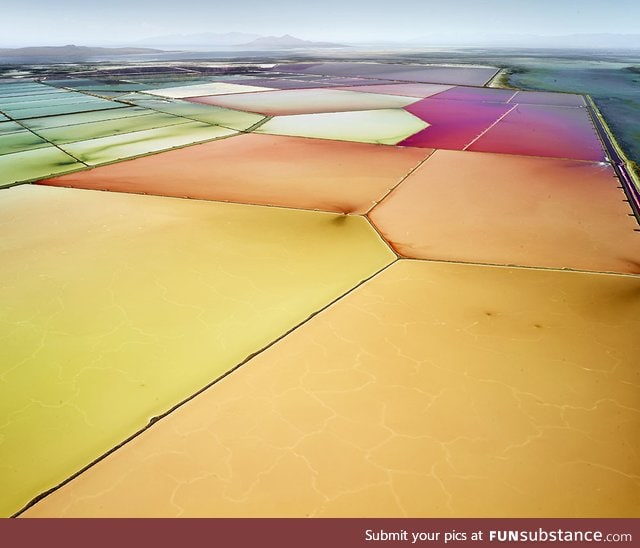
(82,22)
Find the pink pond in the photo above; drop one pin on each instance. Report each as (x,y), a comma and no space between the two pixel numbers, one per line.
(536,130)
(452,124)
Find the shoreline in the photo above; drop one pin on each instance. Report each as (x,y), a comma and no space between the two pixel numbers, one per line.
(501,80)
(625,169)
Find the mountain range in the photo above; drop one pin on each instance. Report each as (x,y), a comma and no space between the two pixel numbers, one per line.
(240,40)
(287,41)
(71,51)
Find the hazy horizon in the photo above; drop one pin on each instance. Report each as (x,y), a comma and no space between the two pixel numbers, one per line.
(38,22)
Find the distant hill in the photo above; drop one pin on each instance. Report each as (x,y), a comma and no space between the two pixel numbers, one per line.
(71,51)
(201,39)
(287,41)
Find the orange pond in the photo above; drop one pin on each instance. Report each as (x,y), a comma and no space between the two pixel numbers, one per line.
(515,210)
(334,176)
